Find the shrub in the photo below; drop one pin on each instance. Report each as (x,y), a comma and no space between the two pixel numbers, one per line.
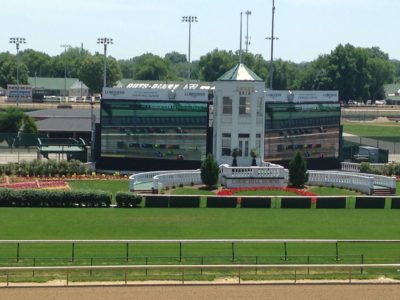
(209,171)
(53,198)
(124,199)
(298,175)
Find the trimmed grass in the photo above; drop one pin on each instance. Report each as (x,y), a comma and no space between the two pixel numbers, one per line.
(327,191)
(94,223)
(377,131)
(111,186)
(191,191)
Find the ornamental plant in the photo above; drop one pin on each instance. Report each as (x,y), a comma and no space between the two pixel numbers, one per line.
(209,171)
(298,174)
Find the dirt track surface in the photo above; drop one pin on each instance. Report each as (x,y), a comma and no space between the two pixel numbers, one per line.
(249,292)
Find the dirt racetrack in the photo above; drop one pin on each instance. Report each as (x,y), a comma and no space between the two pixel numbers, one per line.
(221,292)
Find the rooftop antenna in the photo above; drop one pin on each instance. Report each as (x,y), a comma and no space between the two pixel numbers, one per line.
(240,48)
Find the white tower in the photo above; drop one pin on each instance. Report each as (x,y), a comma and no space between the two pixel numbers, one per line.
(239,116)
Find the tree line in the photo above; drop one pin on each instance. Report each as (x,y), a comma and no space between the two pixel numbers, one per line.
(358,73)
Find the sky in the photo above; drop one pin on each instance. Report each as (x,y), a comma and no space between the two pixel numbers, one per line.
(305,28)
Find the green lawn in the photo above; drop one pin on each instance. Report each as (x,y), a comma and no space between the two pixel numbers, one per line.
(328,191)
(111,186)
(379,131)
(46,223)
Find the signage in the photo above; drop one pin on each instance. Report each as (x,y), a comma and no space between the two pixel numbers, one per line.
(301,96)
(22,91)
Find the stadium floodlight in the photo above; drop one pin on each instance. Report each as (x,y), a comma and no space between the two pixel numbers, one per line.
(248,13)
(190,20)
(105,41)
(65,68)
(17,41)
(272,38)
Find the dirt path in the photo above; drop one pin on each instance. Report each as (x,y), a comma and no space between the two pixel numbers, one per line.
(248,292)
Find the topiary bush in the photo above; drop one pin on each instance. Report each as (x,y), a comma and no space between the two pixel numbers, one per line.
(53,198)
(124,199)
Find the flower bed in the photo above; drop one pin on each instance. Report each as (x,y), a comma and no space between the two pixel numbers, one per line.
(36,184)
(232,191)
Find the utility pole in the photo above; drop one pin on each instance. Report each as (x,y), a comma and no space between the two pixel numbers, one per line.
(65,68)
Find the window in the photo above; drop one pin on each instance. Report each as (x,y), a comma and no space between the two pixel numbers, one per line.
(226,144)
(227,105)
(244,106)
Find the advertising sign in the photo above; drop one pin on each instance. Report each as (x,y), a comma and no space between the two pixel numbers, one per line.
(301,96)
(22,91)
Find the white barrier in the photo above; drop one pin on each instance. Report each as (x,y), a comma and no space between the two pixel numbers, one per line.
(176,178)
(355,167)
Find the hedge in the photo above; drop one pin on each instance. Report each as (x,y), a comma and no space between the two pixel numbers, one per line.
(53,198)
(184,201)
(157,201)
(255,202)
(331,202)
(127,199)
(370,202)
(296,202)
(218,201)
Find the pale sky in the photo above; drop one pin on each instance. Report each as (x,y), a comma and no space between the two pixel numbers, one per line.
(306,28)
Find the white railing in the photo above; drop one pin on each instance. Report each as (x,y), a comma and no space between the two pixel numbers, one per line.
(267,171)
(355,167)
(389,182)
(176,178)
(145,177)
(363,183)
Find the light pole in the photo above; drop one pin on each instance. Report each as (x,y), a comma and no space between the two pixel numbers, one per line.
(189,19)
(105,41)
(272,38)
(65,68)
(248,13)
(17,41)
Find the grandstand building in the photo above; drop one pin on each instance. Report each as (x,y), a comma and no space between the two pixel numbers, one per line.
(157,125)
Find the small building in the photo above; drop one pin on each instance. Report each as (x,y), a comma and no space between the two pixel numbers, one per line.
(71,87)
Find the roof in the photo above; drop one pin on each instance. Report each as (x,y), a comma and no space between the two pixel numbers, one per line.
(64,119)
(240,73)
(392,91)
(64,125)
(49,83)
(68,113)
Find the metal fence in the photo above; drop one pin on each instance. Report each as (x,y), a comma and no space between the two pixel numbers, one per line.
(173,274)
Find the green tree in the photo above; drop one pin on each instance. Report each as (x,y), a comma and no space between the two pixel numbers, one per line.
(209,171)
(14,121)
(214,64)
(38,63)
(153,67)
(91,72)
(298,175)
(8,70)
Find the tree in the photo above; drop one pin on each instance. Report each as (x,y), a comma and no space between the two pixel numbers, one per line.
(152,67)
(14,121)
(214,64)
(209,171)
(298,175)
(175,57)
(91,72)
(8,70)
(38,63)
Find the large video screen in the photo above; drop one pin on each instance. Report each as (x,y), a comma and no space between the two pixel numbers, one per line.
(154,129)
(311,128)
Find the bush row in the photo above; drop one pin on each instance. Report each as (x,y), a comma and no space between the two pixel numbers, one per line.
(127,199)
(53,198)
(44,168)
(388,170)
